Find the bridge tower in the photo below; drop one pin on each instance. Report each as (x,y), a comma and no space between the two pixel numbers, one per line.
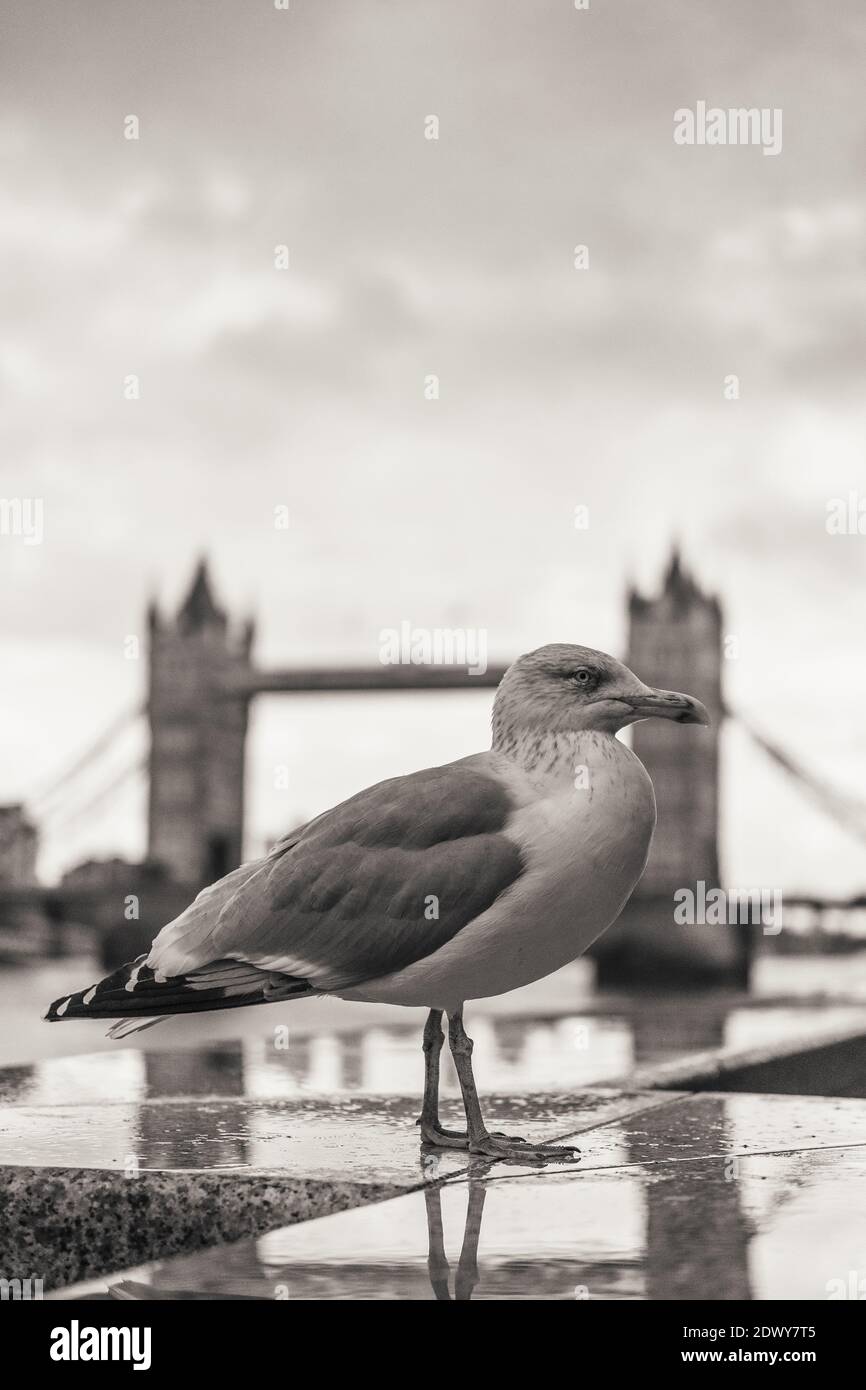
(675,642)
(197,736)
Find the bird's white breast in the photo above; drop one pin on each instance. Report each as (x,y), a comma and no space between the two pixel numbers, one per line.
(584,826)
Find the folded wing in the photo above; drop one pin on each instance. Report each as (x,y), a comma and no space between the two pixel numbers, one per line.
(380,881)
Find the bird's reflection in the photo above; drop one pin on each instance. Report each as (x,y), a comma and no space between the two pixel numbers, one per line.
(438,1267)
(246,1273)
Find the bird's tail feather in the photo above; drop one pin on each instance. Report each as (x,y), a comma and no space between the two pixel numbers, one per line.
(122,1027)
(135,995)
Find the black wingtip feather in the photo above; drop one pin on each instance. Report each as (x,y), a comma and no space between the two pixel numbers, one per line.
(135,991)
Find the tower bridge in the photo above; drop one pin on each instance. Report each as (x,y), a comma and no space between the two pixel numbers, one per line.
(203,677)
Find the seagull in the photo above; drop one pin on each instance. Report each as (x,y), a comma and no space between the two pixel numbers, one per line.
(446,885)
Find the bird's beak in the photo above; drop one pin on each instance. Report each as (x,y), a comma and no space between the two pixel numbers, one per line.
(667,704)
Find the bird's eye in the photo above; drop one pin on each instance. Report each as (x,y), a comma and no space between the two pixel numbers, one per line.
(584,678)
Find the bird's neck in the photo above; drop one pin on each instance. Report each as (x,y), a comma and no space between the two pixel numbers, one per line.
(560,754)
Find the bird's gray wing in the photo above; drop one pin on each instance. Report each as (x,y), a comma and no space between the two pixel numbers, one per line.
(380,881)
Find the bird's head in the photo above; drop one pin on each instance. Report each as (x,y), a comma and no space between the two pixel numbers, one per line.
(565,689)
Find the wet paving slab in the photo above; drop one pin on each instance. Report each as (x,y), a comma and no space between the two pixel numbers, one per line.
(326,1139)
(721,1126)
(134,1181)
(146,1156)
(709,1197)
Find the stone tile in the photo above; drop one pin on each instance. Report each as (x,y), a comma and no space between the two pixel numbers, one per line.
(91,1187)
(73,1223)
(329,1140)
(786,1226)
(705,1126)
(722,1196)
(340,1138)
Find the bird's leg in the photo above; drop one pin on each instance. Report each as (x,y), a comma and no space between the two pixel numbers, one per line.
(431,1130)
(467,1269)
(437,1261)
(481,1141)
(438,1267)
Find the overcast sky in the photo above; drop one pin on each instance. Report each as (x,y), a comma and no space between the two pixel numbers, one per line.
(558,387)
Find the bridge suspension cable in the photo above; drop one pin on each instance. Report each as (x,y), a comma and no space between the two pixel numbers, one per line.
(845,810)
(84,760)
(138,764)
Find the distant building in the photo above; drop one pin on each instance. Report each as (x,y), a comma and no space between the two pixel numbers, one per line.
(19,844)
(126,903)
(102,876)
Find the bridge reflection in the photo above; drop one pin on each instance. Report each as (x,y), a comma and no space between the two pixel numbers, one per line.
(511,1055)
(534,1054)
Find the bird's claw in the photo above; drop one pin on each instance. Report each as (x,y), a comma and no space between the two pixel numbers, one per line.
(516,1149)
(440,1138)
